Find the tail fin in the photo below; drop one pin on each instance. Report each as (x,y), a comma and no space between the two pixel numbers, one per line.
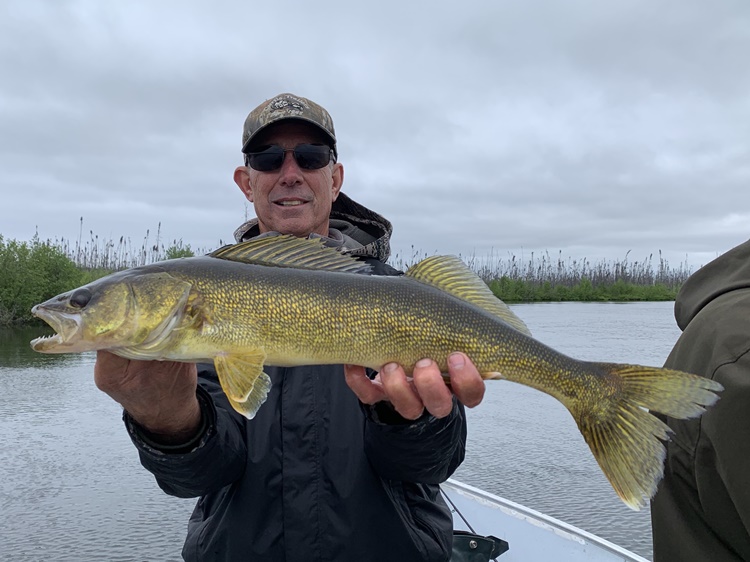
(627,440)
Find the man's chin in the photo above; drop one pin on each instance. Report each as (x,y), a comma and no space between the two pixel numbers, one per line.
(299,227)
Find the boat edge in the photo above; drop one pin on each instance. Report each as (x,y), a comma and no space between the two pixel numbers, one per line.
(557,524)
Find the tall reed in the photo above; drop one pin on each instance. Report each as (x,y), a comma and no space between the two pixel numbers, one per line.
(544,278)
(97,253)
(31,272)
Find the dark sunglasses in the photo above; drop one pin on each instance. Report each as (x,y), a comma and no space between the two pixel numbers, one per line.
(307,156)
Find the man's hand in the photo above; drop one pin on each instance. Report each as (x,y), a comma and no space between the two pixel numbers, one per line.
(159,395)
(425,390)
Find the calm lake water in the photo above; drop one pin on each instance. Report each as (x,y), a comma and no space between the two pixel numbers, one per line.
(72,489)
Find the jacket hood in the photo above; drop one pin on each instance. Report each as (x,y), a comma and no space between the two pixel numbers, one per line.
(728,272)
(371,231)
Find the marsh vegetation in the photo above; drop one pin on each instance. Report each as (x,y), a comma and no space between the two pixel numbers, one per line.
(36,270)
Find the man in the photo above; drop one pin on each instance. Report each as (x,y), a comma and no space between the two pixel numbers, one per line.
(701,510)
(336,465)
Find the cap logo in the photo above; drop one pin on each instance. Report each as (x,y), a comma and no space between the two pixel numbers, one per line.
(288,105)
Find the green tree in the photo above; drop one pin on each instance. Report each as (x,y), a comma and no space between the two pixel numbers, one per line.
(177,250)
(31,273)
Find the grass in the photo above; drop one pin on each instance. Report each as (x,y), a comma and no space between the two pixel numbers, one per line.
(543,278)
(32,272)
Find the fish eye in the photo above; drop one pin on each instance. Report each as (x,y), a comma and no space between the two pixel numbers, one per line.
(80,298)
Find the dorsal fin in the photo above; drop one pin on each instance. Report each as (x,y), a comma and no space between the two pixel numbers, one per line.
(289,251)
(451,275)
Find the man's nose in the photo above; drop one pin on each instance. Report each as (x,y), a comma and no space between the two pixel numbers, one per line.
(290,173)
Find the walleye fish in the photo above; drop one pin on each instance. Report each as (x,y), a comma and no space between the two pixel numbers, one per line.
(287,301)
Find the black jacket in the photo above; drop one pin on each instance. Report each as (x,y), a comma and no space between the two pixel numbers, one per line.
(702,508)
(315,476)
(312,477)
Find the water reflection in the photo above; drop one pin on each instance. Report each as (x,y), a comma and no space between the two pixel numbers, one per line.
(32,382)
(15,351)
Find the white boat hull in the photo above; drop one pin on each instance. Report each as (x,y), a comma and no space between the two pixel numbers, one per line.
(531,535)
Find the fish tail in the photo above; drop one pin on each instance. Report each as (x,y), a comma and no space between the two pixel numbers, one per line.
(626,439)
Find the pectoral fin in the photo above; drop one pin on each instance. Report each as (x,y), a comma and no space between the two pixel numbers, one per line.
(243,380)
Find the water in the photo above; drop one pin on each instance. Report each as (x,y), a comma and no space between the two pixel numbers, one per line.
(71,486)
(525,446)
(72,489)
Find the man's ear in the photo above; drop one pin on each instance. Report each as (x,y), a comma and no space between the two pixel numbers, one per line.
(242,179)
(338,180)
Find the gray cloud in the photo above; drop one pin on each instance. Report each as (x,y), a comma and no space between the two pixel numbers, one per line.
(581,127)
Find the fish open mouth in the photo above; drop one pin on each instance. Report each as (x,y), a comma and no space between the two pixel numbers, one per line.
(65,325)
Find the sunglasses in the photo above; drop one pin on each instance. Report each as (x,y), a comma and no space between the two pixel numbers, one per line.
(307,156)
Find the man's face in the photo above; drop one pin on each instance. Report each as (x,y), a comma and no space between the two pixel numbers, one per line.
(291,200)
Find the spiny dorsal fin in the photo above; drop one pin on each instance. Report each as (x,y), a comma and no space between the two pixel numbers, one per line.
(289,251)
(451,275)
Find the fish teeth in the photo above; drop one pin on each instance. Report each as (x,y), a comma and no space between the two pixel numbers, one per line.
(40,339)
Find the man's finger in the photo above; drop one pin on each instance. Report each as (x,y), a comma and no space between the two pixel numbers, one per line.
(429,383)
(401,392)
(368,391)
(466,382)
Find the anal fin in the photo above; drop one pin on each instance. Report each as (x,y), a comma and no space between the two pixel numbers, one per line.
(243,380)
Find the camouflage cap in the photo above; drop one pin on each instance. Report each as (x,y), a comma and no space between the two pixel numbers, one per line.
(286,106)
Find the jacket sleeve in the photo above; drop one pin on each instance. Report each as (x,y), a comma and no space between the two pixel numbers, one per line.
(726,425)
(702,508)
(211,460)
(427,450)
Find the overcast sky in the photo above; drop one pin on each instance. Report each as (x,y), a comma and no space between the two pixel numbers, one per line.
(582,127)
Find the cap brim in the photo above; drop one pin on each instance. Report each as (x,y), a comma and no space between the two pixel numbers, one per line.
(249,141)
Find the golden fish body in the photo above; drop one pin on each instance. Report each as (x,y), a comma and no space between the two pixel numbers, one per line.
(286,301)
